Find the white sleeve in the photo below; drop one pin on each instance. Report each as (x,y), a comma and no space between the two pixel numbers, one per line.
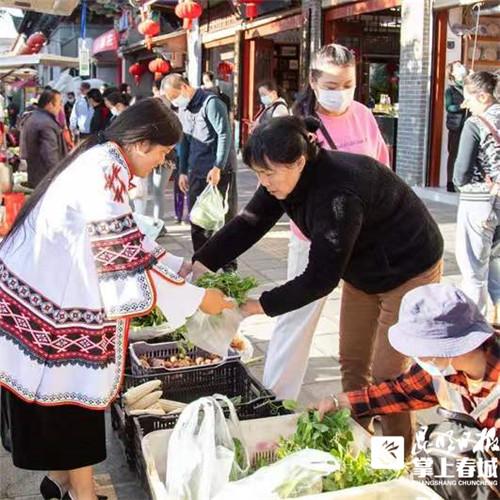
(133,272)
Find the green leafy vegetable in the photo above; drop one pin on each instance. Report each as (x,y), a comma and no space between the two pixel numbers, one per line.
(231,284)
(333,434)
(154,318)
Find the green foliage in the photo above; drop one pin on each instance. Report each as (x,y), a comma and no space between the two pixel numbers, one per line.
(231,284)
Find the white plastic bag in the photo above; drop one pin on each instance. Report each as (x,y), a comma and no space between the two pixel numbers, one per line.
(148,225)
(210,209)
(297,475)
(201,450)
(215,333)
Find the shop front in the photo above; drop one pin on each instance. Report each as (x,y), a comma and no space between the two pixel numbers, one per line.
(455,39)
(372,30)
(105,53)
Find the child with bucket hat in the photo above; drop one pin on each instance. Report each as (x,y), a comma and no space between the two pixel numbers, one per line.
(457,361)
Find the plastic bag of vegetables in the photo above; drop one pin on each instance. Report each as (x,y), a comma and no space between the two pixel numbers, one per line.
(205,450)
(210,209)
(299,474)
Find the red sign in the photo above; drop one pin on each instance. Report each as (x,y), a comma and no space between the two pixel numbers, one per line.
(106,42)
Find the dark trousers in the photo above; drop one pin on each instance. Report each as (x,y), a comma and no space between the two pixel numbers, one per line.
(453,142)
(200,236)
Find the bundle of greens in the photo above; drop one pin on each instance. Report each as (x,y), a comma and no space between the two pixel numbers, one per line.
(333,434)
(231,284)
(154,318)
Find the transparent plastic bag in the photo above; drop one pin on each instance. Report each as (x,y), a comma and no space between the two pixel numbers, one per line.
(215,333)
(210,209)
(202,451)
(299,474)
(147,225)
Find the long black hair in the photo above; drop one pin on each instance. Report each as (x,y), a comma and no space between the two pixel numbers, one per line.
(149,120)
(281,140)
(331,54)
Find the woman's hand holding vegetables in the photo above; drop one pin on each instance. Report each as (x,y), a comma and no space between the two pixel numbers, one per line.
(198,270)
(332,404)
(251,307)
(214,302)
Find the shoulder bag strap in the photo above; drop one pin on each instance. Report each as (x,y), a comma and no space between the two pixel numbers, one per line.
(491,128)
(325,133)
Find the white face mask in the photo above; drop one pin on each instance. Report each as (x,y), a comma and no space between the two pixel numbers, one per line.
(435,371)
(335,100)
(114,112)
(460,73)
(181,101)
(266,100)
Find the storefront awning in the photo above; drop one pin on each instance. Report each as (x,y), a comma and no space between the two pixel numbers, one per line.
(175,42)
(107,42)
(17,62)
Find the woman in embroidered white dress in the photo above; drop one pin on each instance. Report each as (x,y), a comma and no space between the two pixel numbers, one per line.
(73,270)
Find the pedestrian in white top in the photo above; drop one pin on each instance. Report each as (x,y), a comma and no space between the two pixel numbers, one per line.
(82,113)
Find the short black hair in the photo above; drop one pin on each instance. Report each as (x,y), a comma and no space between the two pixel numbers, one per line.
(95,95)
(85,85)
(281,140)
(47,97)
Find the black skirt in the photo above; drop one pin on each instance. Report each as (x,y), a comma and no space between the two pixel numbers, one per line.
(51,437)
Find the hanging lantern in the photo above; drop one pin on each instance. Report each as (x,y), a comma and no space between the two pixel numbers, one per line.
(224,70)
(251,7)
(159,67)
(137,70)
(149,29)
(188,10)
(35,42)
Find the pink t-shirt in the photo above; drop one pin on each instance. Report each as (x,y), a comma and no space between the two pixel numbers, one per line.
(356,131)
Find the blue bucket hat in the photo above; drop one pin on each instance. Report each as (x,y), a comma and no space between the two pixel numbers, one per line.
(439,321)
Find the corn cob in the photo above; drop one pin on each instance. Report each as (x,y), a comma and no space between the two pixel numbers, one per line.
(146,401)
(135,393)
(171,406)
(149,411)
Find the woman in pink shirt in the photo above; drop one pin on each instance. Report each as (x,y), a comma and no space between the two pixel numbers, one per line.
(346,125)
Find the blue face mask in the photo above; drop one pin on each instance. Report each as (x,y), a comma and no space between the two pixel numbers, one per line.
(266,100)
(434,370)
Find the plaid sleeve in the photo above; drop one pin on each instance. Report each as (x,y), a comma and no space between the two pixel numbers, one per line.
(413,390)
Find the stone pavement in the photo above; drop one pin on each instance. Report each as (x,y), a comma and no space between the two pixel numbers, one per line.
(267,262)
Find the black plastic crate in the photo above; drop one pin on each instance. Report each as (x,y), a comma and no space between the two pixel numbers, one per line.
(166,350)
(231,379)
(143,425)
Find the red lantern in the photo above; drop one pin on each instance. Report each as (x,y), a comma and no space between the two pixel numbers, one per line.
(251,7)
(36,40)
(137,70)
(159,67)
(188,10)
(224,70)
(149,28)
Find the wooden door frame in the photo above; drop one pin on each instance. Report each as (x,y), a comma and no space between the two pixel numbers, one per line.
(438,80)
(355,9)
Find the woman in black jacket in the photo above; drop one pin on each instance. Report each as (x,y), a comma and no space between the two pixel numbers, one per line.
(366,226)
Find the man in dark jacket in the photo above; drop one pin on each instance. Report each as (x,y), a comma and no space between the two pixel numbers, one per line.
(207,153)
(42,143)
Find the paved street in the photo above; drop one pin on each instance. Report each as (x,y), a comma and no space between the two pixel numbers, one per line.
(267,262)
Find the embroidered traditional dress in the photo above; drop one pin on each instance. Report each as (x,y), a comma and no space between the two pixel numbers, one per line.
(70,280)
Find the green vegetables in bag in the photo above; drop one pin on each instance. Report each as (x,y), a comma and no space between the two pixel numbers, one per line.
(231,284)
(333,434)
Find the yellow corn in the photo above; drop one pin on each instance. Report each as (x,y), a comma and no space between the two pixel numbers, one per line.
(135,393)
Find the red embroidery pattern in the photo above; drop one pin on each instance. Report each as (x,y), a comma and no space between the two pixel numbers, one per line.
(55,344)
(115,184)
(121,254)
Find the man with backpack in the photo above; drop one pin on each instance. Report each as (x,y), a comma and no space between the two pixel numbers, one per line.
(208,80)
(207,154)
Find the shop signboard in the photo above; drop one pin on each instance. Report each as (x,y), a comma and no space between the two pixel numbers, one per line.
(84,46)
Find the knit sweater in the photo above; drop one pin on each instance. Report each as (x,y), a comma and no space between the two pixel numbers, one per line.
(365,224)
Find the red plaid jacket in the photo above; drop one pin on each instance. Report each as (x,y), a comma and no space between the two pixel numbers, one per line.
(414,390)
